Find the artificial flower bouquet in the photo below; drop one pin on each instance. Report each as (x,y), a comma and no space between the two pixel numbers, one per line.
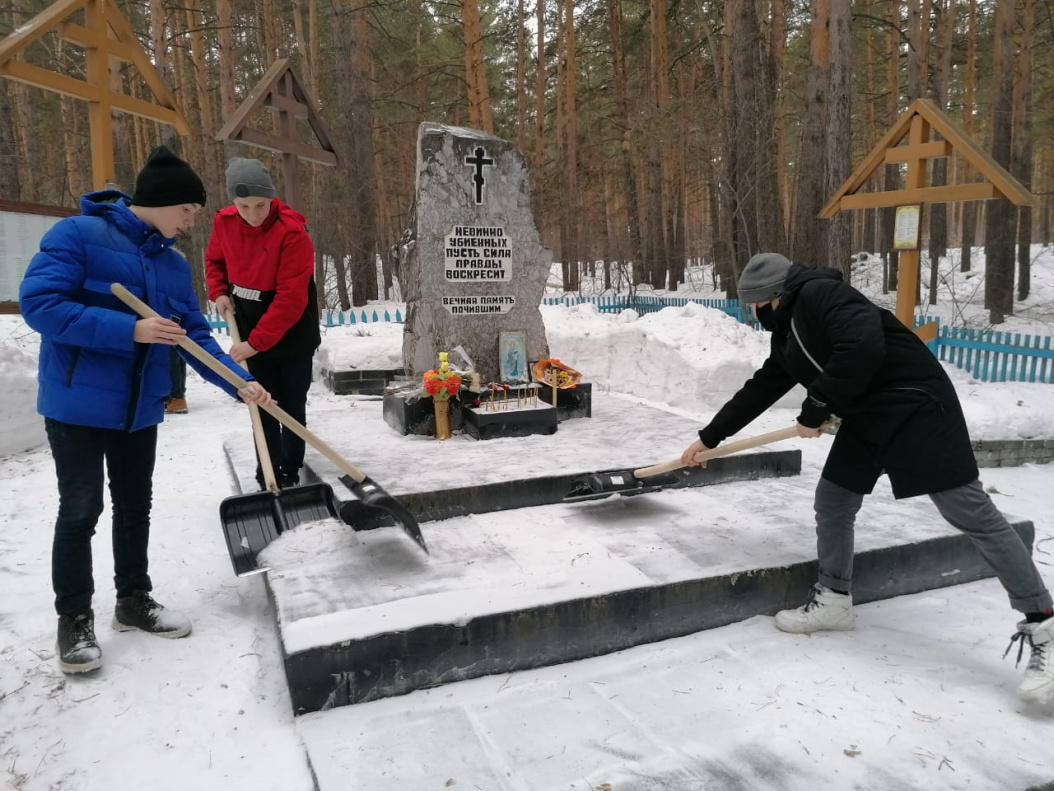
(442,383)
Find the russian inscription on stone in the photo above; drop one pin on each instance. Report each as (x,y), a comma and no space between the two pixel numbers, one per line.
(472,264)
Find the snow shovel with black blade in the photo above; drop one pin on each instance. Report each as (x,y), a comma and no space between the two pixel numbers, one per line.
(597,486)
(252,521)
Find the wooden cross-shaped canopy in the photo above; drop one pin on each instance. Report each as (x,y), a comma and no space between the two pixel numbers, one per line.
(917,121)
(916,124)
(105,34)
(280,90)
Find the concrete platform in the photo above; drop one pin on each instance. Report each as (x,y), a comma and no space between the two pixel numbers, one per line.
(918,697)
(364,615)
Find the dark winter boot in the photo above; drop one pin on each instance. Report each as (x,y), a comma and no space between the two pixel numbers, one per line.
(76,646)
(140,611)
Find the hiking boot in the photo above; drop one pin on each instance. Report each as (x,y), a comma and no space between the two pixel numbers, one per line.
(288,481)
(1038,684)
(176,406)
(76,646)
(825,610)
(140,611)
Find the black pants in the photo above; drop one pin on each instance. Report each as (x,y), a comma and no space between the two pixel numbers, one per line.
(177,369)
(79,453)
(287,379)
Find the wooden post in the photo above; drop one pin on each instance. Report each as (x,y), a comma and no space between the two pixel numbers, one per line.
(908,271)
(100,123)
(290,162)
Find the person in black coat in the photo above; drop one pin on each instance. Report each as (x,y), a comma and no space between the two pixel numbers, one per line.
(900,415)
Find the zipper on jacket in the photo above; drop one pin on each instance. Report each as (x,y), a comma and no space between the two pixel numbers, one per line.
(73,366)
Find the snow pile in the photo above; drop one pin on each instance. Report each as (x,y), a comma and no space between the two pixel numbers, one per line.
(367,347)
(21,428)
(693,358)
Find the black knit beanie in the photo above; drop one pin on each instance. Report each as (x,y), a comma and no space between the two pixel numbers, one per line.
(166,180)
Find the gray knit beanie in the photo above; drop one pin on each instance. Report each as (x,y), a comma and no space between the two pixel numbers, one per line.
(763,277)
(248,178)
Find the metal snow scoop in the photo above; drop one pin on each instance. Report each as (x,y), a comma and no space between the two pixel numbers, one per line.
(252,521)
(597,486)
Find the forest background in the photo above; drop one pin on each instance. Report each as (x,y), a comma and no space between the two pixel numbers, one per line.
(660,134)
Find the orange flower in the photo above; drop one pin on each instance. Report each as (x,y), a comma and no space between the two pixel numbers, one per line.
(441,385)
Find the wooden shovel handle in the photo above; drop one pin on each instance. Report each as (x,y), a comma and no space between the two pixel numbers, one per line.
(254,416)
(279,414)
(724,450)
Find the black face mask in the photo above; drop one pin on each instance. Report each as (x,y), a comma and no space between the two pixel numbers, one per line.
(766,317)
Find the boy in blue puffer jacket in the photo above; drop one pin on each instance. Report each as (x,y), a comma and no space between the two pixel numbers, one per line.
(103,380)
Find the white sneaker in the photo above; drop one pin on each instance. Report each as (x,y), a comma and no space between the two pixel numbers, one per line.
(1038,684)
(825,610)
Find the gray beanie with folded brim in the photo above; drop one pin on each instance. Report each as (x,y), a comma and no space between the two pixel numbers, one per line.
(763,278)
(248,178)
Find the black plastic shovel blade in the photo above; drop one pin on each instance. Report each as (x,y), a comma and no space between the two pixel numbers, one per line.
(369,493)
(598,485)
(252,521)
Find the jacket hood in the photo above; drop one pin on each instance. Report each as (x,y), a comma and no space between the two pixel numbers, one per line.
(112,205)
(798,276)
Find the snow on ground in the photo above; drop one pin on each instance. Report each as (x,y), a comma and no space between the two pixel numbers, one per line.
(918,694)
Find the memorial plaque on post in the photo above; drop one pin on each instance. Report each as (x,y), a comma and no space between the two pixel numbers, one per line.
(472,264)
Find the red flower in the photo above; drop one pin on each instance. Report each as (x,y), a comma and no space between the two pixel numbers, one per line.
(433,386)
(453,384)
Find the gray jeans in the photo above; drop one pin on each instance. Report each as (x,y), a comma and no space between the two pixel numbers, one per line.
(967,508)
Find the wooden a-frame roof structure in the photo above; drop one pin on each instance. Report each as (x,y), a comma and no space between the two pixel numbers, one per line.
(281,90)
(105,34)
(921,117)
(109,33)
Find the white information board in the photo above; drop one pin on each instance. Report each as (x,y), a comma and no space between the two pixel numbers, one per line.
(20,235)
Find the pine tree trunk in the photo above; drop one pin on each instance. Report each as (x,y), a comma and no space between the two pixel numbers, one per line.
(215,185)
(166,133)
(809,236)
(69,110)
(891,179)
(839,235)
(661,148)
(569,240)
(625,119)
(10,182)
(1022,152)
(480,115)
(945,12)
(1000,214)
(870,241)
(521,78)
(537,198)
(969,213)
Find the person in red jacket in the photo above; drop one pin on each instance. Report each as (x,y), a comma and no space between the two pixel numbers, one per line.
(260,265)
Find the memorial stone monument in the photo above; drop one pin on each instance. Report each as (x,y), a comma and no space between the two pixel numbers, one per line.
(472,264)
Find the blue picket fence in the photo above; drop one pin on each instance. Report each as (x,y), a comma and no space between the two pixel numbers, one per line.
(329,318)
(644,304)
(997,356)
